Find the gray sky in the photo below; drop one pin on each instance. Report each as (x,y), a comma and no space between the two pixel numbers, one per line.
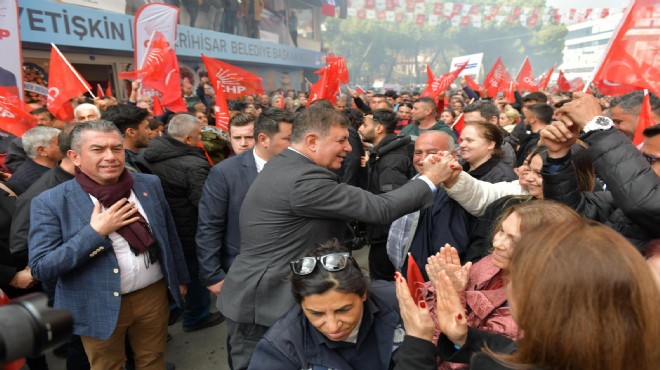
(588,3)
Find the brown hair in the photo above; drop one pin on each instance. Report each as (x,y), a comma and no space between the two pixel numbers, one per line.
(491,133)
(585,299)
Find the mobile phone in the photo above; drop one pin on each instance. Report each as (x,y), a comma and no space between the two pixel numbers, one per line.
(500,95)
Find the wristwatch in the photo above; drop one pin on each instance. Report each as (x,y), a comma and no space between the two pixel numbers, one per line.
(598,123)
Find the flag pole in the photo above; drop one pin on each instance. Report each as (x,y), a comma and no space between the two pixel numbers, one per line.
(80,79)
(144,57)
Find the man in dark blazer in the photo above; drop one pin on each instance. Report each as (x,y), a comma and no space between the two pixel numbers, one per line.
(218,235)
(295,202)
(114,288)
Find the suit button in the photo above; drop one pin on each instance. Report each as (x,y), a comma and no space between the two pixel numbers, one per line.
(101,248)
(116,294)
(116,271)
(91,254)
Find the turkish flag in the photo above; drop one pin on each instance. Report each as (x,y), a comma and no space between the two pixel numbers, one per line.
(235,81)
(645,119)
(435,86)
(415,279)
(15,117)
(472,84)
(497,79)
(359,90)
(99,91)
(545,79)
(64,84)
(562,82)
(630,62)
(221,110)
(525,78)
(339,63)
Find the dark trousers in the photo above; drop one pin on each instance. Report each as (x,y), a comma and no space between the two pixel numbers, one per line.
(197,307)
(380,266)
(241,342)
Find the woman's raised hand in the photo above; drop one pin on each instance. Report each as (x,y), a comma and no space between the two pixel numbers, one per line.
(447,259)
(449,310)
(415,315)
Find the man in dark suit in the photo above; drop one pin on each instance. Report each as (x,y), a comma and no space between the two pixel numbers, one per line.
(218,234)
(295,202)
(109,239)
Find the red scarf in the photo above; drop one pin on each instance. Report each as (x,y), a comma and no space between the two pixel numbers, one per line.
(137,234)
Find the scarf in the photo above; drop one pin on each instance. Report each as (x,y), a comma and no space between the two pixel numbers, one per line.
(137,234)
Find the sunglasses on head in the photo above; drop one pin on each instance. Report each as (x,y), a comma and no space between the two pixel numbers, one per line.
(331,262)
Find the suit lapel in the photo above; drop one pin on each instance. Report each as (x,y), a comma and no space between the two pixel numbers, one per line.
(79,198)
(249,167)
(145,197)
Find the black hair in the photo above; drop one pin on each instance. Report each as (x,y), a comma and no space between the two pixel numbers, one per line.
(536,96)
(542,112)
(269,120)
(349,280)
(42,110)
(387,118)
(487,109)
(355,117)
(391,94)
(125,116)
(427,100)
(652,131)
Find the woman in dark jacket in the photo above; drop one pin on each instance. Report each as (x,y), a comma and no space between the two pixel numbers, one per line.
(573,315)
(481,152)
(338,323)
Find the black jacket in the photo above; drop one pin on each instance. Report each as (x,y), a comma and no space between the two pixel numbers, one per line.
(527,144)
(493,171)
(182,170)
(390,167)
(29,172)
(631,207)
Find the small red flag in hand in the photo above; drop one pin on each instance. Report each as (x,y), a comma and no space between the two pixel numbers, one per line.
(472,84)
(459,124)
(415,279)
(359,90)
(645,119)
(99,91)
(562,82)
(108,90)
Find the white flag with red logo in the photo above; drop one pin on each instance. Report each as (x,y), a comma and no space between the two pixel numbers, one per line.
(151,18)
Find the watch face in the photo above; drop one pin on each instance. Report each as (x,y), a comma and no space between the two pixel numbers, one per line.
(602,121)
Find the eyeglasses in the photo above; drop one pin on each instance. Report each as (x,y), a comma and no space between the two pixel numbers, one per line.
(650,158)
(331,262)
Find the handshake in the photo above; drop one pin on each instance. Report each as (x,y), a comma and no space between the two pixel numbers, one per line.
(441,168)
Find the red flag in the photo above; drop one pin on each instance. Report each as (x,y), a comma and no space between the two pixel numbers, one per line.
(459,124)
(342,70)
(525,78)
(235,81)
(497,79)
(415,279)
(281,101)
(221,109)
(99,91)
(435,86)
(325,87)
(577,84)
(511,93)
(328,8)
(158,108)
(472,84)
(15,117)
(562,82)
(630,62)
(108,90)
(64,84)
(543,81)
(645,119)
(359,90)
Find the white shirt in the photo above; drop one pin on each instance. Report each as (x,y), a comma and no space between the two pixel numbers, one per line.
(136,272)
(260,162)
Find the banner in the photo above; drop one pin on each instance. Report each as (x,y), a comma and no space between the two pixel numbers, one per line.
(235,82)
(473,64)
(11,70)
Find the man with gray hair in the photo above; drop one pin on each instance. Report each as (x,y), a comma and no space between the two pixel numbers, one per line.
(40,145)
(86,112)
(108,238)
(182,168)
(423,232)
(624,111)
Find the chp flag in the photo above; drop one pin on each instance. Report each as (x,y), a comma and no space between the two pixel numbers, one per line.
(235,82)
(525,79)
(64,84)
(437,85)
(15,117)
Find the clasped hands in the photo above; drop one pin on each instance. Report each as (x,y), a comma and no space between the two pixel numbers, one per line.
(441,168)
(449,278)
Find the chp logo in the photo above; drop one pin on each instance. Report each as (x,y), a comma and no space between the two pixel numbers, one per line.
(230,81)
(6,107)
(53,94)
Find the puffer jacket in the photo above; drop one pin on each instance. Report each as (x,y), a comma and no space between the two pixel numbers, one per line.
(182,170)
(631,207)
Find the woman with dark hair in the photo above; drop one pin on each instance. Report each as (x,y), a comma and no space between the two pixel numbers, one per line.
(448,116)
(481,152)
(339,321)
(581,294)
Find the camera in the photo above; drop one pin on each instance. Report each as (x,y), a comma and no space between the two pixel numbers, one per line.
(28,327)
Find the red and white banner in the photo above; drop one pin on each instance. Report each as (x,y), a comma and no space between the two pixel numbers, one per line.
(11,63)
(631,59)
(235,81)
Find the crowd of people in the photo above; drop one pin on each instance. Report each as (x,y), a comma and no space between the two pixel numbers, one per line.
(534,224)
